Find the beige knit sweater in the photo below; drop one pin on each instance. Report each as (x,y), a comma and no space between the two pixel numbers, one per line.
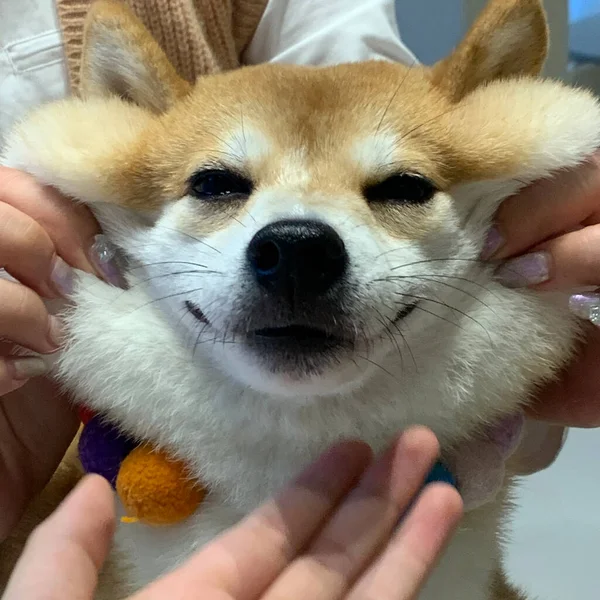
(198,36)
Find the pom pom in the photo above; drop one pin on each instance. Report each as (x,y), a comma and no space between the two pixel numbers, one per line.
(440,474)
(102,449)
(156,489)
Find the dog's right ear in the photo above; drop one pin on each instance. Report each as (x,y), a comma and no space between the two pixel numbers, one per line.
(509,39)
(121,58)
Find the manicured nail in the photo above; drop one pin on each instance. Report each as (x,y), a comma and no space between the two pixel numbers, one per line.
(493,242)
(55,332)
(62,277)
(104,257)
(26,368)
(586,306)
(529,269)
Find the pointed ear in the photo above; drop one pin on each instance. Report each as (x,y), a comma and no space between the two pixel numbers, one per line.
(508,39)
(121,58)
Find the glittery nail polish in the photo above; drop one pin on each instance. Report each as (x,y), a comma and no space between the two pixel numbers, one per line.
(586,306)
(526,270)
(104,257)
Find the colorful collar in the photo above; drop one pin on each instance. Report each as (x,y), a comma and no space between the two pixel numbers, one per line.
(157,490)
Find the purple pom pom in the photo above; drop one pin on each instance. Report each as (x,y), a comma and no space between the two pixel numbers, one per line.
(102,449)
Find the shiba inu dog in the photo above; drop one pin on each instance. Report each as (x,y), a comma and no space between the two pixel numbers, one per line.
(303,250)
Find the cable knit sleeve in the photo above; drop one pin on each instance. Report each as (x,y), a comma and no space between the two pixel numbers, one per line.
(198,36)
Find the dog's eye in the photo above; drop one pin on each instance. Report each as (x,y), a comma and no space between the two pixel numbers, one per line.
(219,184)
(408,188)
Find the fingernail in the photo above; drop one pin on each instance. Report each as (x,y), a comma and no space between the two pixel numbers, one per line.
(586,306)
(62,277)
(529,269)
(55,332)
(104,257)
(26,368)
(493,242)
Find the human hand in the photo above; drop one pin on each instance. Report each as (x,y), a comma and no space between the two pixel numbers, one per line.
(551,235)
(330,534)
(42,236)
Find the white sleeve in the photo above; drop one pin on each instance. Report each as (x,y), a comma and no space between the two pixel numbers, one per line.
(326,32)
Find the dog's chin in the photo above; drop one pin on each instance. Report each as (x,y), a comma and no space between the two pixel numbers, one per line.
(303,377)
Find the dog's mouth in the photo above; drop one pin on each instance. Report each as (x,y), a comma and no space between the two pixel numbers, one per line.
(300,336)
(299,332)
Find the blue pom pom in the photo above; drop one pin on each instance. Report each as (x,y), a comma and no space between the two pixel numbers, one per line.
(102,449)
(440,473)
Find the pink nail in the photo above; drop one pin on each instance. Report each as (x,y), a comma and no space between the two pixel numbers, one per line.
(104,257)
(526,270)
(493,242)
(62,277)
(27,367)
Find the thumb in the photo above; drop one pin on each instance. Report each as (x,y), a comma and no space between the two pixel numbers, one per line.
(64,554)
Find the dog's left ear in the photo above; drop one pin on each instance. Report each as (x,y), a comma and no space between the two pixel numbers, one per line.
(121,58)
(508,39)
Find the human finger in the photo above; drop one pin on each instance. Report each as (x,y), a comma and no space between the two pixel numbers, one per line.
(64,554)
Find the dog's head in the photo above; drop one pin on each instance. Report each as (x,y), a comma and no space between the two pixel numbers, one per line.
(319,224)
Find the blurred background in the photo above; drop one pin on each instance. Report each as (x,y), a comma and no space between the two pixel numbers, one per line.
(556,533)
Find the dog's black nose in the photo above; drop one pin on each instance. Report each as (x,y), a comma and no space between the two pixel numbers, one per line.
(297,257)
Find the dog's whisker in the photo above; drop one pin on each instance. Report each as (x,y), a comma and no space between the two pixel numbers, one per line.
(167,297)
(441,276)
(427,122)
(474,261)
(187,235)
(449,307)
(166,262)
(394,341)
(375,364)
(393,96)
(172,274)
(445,284)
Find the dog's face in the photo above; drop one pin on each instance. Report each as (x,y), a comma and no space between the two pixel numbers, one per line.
(306,227)
(298,228)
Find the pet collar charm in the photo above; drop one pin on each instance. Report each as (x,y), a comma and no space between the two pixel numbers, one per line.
(153,488)
(440,474)
(156,489)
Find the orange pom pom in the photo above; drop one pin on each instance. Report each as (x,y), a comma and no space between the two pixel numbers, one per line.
(156,489)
